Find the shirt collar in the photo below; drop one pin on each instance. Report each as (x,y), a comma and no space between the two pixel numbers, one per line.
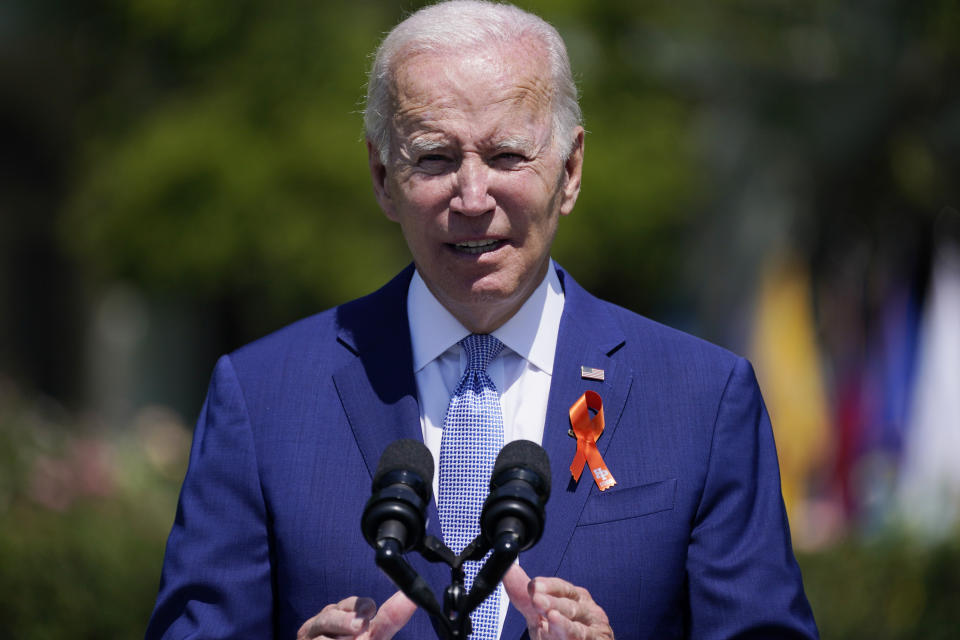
(531,333)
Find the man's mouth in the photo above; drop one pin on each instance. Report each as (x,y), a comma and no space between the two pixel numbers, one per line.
(478,246)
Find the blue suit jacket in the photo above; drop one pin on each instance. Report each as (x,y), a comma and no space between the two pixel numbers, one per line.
(692,541)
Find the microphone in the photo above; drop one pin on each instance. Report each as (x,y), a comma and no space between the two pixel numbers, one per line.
(400,493)
(519,489)
(513,514)
(394,517)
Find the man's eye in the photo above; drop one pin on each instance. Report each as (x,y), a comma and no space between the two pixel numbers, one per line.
(433,161)
(508,159)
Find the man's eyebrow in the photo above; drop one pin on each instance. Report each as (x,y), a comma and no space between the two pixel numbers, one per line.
(425,145)
(513,143)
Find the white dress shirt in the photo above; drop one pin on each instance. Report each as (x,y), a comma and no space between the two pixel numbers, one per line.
(521,373)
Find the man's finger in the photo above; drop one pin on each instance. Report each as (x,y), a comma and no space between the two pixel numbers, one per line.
(516,583)
(519,588)
(345,617)
(560,626)
(392,616)
(364,607)
(553,594)
(557,587)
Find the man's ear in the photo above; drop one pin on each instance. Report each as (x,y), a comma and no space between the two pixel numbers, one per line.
(378,173)
(573,172)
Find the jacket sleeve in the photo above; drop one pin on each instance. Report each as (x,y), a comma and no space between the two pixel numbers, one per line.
(216,580)
(743,579)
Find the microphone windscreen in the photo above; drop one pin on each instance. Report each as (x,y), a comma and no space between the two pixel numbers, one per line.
(524,453)
(408,455)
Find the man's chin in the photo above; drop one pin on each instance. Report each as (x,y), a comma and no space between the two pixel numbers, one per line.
(488,307)
(493,288)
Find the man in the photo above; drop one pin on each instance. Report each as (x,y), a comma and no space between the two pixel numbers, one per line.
(476,150)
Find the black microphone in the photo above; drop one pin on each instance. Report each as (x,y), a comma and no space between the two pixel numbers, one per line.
(513,514)
(400,493)
(519,489)
(394,517)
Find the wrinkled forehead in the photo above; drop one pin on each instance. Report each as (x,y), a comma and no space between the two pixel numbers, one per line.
(428,84)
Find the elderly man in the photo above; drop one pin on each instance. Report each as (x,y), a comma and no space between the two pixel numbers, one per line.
(476,151)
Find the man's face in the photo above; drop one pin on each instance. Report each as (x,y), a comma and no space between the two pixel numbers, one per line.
(475,179)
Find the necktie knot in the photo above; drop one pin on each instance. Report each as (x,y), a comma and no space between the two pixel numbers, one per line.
(481,349)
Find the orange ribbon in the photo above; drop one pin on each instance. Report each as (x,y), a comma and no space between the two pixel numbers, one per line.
(588,430)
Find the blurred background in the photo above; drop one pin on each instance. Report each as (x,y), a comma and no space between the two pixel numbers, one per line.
(178,178)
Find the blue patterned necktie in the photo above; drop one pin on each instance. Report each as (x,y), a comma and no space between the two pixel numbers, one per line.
(472,438)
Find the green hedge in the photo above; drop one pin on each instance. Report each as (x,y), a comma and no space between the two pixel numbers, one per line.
(889,589)
(85,515)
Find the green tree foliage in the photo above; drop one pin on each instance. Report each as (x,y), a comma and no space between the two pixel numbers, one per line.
(220,148)
(224,153)
(245,170)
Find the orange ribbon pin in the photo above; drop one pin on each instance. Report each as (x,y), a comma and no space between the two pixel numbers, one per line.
(588,430)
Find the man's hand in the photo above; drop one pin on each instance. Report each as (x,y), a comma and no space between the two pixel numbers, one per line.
(555,609)
(358,618)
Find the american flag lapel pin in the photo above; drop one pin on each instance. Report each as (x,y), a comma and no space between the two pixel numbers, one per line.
(589,373)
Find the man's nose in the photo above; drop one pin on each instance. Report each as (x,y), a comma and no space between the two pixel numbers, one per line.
(472,196)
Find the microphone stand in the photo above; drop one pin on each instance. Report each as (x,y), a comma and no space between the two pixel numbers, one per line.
(454,619)
(454,622)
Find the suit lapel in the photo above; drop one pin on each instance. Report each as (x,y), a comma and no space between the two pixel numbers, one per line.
(378,389)
(588,337)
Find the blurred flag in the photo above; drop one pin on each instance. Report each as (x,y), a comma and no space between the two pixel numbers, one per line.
(785,354)
(929,491)
(886,385)
(899,346)
(851,418)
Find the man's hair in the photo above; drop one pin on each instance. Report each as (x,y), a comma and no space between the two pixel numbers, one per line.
(457,25)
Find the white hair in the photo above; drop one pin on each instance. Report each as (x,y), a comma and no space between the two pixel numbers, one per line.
(456,25)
